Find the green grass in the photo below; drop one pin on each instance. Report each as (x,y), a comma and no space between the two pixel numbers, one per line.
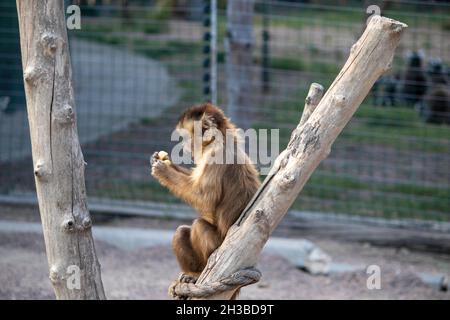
(167,49)
(156,49)
(121,190)
(148,121)
(347,195)
(391,127)
(298,18)
(156,19)
(398,127)
(334,184)
(192,92)
(296,64)
(303,17)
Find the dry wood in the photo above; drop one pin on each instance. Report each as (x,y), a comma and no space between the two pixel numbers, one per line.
(57,158)
(315,93)
(310,143)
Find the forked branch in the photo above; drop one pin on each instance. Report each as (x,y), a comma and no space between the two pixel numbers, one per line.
(310,143)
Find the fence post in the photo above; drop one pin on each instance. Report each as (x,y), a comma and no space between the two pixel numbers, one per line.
(57,158)
(265,78)
(238,46)
(207,49)
(214,52)
(210,51)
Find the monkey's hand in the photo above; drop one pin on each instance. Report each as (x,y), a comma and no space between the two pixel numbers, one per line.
(159,162)
(186,278)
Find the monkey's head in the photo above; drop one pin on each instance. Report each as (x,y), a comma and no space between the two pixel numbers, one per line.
(203,122)
(435,67)
(415,59)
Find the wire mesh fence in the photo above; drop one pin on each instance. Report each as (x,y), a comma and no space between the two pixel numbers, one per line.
(138,64)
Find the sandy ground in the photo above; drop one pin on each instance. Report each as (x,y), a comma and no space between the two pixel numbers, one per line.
(146,273)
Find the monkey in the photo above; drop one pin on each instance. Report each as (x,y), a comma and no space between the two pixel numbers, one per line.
(218,192)
(376,92)
(390,90)
(414,79)
(436,71)
(435,107)
(384,91)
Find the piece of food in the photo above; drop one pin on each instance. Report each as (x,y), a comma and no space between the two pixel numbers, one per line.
(162,155)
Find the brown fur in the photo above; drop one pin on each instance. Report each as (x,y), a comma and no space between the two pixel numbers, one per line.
(219,192)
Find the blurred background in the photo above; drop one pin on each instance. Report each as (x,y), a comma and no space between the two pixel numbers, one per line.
(138,64)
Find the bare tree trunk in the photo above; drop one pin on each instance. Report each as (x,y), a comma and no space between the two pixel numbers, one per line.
(239,47)
(57,158)
(310,143)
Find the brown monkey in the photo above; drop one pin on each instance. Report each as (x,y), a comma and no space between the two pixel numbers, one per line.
(219,192)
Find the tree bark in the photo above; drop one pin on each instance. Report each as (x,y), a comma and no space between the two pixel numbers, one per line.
(57,157)
(239,47)
(310,143)
(312,100)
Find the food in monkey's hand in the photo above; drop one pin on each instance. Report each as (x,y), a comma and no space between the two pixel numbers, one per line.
(161,156)
(164,157)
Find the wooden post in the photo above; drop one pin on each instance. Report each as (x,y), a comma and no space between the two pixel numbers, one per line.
(310,143)
(239,47)
(57,158)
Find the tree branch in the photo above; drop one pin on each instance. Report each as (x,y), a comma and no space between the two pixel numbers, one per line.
(57,157)
(315,93)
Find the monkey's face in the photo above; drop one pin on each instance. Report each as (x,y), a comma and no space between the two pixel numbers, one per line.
(194,137)
(187,135)
(199,126)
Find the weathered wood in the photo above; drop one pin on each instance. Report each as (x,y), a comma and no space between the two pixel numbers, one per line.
(57,157)
(239,48)
(315,93)
(310,143)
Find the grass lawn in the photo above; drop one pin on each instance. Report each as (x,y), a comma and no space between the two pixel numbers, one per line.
(399,128)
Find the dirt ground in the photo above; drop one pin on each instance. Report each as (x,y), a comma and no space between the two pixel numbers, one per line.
(146,273)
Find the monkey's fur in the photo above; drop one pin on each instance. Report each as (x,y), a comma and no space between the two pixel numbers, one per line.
(219,192)
(414,79)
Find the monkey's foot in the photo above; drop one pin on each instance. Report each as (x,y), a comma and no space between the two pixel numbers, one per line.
(182,278)
(186,278)
(173,293)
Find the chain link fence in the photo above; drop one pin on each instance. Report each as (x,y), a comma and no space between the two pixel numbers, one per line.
(138,64)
